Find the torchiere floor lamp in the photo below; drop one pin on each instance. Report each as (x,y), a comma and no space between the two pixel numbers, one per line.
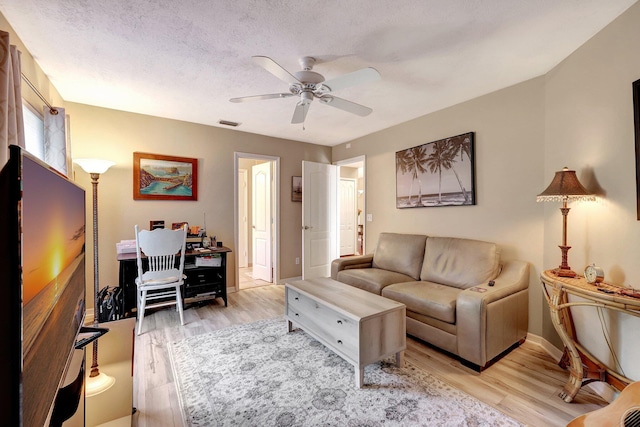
(98,382)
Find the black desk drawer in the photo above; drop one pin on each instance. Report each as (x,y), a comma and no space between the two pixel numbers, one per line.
(201,276)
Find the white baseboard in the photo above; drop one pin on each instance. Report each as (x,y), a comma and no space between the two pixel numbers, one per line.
(551,349)
(120,422)
(602,389)
(288,279)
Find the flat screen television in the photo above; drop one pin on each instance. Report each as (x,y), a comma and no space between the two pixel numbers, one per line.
(42,303)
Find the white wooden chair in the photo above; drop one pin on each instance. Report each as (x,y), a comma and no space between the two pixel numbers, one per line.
(162,279)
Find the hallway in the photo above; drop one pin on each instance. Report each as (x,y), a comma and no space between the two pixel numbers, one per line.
(246,280)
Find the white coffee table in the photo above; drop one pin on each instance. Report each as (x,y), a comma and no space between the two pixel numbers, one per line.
(359,326)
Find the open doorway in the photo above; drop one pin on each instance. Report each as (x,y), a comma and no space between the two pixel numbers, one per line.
(256,219)
(352,206)
(323,230)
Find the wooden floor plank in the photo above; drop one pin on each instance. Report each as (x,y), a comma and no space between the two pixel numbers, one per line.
(524,384)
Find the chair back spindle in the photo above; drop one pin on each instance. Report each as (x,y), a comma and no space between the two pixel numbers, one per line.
(159,277)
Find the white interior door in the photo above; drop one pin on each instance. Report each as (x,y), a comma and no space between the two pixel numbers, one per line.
(319,219)
(243,224)
(261,209)
(348,209)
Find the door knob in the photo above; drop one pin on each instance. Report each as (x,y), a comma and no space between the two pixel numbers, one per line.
(306,227)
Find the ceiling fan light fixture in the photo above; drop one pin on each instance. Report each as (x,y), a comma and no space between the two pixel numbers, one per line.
(306,97)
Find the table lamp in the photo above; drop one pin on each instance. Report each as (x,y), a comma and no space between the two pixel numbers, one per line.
(565,187)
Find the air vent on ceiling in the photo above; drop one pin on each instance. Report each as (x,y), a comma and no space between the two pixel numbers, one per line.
(228,123)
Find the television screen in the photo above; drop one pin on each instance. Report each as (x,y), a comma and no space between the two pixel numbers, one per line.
(43,250)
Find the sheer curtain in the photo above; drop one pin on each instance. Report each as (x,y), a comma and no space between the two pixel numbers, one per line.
(11,123)
(56,150)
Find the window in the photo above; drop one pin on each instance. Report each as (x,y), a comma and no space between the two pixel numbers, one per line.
(33,131)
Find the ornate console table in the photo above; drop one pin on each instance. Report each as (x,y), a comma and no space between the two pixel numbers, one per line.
(584,367)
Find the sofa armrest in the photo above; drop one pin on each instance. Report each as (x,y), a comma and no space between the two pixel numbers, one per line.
(361,261)
(490,322)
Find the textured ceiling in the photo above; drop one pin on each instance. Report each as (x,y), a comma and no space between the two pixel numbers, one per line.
(185,59)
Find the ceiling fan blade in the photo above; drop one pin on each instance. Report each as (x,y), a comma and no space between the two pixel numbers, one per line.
(274,68)
(365,75)
(300,113)
(343,104)
(260,97)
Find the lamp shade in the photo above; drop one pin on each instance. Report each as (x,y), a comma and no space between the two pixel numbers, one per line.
(98,384)
(94,165)
(565,186)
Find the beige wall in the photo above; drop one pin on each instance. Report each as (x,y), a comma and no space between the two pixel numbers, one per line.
(115,135)
(509,144)
(579,115)
(589,128)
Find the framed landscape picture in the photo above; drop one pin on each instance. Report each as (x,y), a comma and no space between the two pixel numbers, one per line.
(159,177)
(439,173)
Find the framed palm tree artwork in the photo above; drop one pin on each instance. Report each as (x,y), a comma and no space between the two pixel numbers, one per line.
(438,173)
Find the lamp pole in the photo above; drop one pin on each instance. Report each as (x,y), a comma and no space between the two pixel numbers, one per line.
(94,361)
(564,269)
(99,381)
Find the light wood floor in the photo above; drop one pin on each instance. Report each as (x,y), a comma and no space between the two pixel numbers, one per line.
(524,384)
(246,280)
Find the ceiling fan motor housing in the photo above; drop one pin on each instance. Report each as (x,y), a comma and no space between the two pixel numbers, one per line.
(308,77)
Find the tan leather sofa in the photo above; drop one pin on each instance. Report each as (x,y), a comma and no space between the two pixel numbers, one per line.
(459,296)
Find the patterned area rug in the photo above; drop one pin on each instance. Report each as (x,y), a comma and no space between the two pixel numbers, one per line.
(259,375)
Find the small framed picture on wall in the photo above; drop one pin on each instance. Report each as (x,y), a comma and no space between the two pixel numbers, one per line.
(296,188)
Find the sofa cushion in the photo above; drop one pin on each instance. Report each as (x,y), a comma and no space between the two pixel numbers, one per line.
(462,263)
(371,279)
(426,298)
(402,253)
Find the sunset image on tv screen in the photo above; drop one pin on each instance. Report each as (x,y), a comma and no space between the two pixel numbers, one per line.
(53,234)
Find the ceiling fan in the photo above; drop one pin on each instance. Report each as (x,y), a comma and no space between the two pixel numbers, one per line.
(307,85)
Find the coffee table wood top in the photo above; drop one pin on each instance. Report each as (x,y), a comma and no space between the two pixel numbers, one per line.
(348,300)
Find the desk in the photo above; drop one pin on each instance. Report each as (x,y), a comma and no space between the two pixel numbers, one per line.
(583,367)
(202,282)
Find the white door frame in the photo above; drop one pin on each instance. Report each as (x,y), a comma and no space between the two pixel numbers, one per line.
(275,206)
(363,160)
(243,245)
